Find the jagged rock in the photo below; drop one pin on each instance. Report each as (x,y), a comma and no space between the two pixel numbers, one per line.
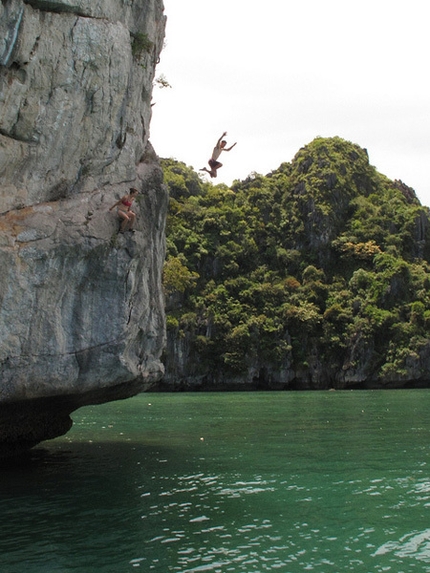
(81,309)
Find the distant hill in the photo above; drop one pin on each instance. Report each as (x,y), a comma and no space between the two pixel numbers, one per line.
(313,276)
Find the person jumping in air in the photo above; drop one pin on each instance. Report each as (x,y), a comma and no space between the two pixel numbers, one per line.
(214,164)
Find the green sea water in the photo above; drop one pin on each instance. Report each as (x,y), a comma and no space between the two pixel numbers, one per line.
(289,482)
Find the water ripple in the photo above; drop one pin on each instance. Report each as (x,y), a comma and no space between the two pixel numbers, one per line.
(415,545)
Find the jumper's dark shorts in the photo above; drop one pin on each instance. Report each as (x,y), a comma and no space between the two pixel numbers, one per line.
(214,164)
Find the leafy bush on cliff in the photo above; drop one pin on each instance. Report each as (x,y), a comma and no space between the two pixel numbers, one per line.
(317,273)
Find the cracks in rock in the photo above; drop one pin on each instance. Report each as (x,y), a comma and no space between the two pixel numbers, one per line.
(35,46)
(59,191)
(122,136)
(89,348)
(16,72)
(58,7)
(12,38)
(14,137)
(129,285)
(75,353)
(55,7)
(120,140)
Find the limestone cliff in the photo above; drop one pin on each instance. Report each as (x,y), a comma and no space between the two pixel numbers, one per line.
(81,309)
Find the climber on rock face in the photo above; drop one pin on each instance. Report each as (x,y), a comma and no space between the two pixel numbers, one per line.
(214,164)
(125,213)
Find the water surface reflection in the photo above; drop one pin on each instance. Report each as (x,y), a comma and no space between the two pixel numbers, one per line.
(322,482)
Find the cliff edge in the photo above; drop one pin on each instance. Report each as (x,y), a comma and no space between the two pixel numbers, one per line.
(81,308)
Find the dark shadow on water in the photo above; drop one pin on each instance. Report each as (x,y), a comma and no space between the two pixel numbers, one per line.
(83,469)
(33,459)
(77,503)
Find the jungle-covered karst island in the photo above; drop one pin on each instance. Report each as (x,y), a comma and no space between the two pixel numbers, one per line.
(314,276)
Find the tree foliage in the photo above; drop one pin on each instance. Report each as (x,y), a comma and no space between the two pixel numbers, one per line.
(323,260)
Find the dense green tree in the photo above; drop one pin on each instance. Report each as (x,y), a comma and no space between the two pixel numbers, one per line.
(314,275)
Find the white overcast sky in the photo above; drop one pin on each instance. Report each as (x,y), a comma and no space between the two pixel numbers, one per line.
(276,74)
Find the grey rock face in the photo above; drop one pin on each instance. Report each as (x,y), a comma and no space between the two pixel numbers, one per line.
(81,307)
